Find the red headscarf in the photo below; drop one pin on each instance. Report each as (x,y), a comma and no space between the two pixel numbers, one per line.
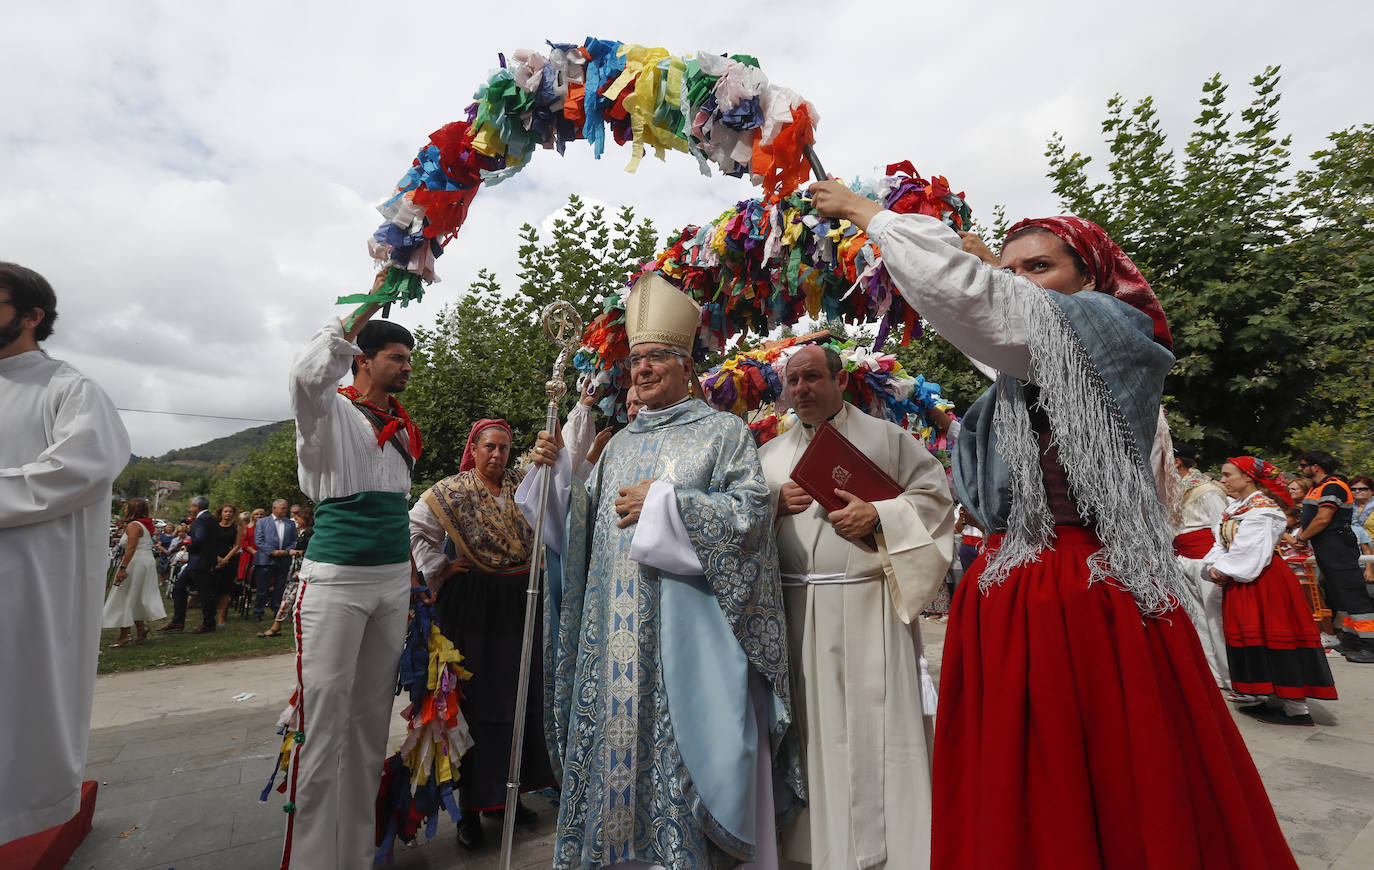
(469,460)
(1112,271)
(1266,475)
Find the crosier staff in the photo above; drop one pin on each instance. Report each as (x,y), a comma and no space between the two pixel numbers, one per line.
(564,328)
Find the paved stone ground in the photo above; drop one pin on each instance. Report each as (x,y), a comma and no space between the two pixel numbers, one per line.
(181,762)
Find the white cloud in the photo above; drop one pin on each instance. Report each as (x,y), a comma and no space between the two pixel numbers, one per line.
(197,181)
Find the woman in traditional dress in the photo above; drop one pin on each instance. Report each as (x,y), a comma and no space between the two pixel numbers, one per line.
(1272,646)
(224,546)
(134,599)
(1079,725)
(480,608)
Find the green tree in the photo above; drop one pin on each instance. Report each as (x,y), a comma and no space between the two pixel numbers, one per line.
(1266,314)
(268,473)
(487,354)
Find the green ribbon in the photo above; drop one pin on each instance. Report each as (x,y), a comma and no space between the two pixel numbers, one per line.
(400,286)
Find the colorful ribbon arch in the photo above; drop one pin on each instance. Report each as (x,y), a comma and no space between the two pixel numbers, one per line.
(721,110)
(763,263)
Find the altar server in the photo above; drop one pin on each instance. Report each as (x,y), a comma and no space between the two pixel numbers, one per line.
(61,446)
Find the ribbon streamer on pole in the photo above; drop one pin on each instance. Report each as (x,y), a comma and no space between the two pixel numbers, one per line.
(564,328)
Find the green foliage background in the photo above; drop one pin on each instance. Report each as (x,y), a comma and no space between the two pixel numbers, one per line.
(1266,274)
(487,354)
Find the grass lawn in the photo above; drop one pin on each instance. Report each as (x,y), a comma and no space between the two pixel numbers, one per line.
(237,640)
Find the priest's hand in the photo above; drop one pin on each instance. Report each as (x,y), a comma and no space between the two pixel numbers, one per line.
(792,499)
(631,502)
(856,519)
(547,446)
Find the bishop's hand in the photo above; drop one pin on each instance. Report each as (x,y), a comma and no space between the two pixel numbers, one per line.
(631,502)
(547,447)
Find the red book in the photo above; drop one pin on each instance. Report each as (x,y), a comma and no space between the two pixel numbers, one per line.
(832,462)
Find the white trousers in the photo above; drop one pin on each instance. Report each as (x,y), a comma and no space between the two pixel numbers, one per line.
(350,627)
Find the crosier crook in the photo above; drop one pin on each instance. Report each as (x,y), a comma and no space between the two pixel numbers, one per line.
(564,328)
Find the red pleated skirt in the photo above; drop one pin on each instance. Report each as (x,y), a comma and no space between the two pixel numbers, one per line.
(1272,644)
(1073,734)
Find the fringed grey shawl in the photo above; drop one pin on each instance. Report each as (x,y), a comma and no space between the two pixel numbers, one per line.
(1100,377)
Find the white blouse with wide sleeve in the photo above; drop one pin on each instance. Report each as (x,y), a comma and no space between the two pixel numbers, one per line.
(336,446)
(964,298)
(1252,550)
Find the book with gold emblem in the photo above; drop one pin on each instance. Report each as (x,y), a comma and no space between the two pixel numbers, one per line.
(831,462)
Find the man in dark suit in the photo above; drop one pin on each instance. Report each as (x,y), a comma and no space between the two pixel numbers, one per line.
(196,574)
(274,536)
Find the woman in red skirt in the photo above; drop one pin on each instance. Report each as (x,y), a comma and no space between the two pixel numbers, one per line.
(1079,726)
(1272,644)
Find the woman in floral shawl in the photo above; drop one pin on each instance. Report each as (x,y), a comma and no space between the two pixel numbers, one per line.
(473,545)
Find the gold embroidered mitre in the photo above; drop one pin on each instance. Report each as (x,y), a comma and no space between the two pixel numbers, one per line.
(659,312)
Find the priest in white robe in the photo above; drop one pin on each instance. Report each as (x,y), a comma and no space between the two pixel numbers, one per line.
(857,663)
(61,446)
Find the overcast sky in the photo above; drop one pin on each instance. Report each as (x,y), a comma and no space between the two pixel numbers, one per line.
(198,180)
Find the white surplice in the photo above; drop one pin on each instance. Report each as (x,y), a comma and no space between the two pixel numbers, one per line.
(857,657)
(61,446)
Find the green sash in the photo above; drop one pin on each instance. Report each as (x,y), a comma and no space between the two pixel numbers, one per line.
(369,528)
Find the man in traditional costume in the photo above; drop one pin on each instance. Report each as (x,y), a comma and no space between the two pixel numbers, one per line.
(668,705)
(63,446)
(1202,504)
(480,608)
(356,447)
(856,655)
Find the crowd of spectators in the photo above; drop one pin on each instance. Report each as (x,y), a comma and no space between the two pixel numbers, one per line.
(251,561)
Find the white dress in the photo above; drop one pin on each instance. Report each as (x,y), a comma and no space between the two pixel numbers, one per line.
(137,599)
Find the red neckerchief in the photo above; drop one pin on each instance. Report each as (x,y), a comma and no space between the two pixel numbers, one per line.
(395,416)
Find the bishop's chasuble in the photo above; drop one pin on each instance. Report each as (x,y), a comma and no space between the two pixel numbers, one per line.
(856,656)
(648,704)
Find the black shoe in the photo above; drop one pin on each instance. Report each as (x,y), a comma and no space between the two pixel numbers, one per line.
(1360,656)
(172,626)
(523,814)
(1277,717)
(202,629)
(470,833)
(1350,642)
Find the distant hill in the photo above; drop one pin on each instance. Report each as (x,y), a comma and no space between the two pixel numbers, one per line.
(231,449)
